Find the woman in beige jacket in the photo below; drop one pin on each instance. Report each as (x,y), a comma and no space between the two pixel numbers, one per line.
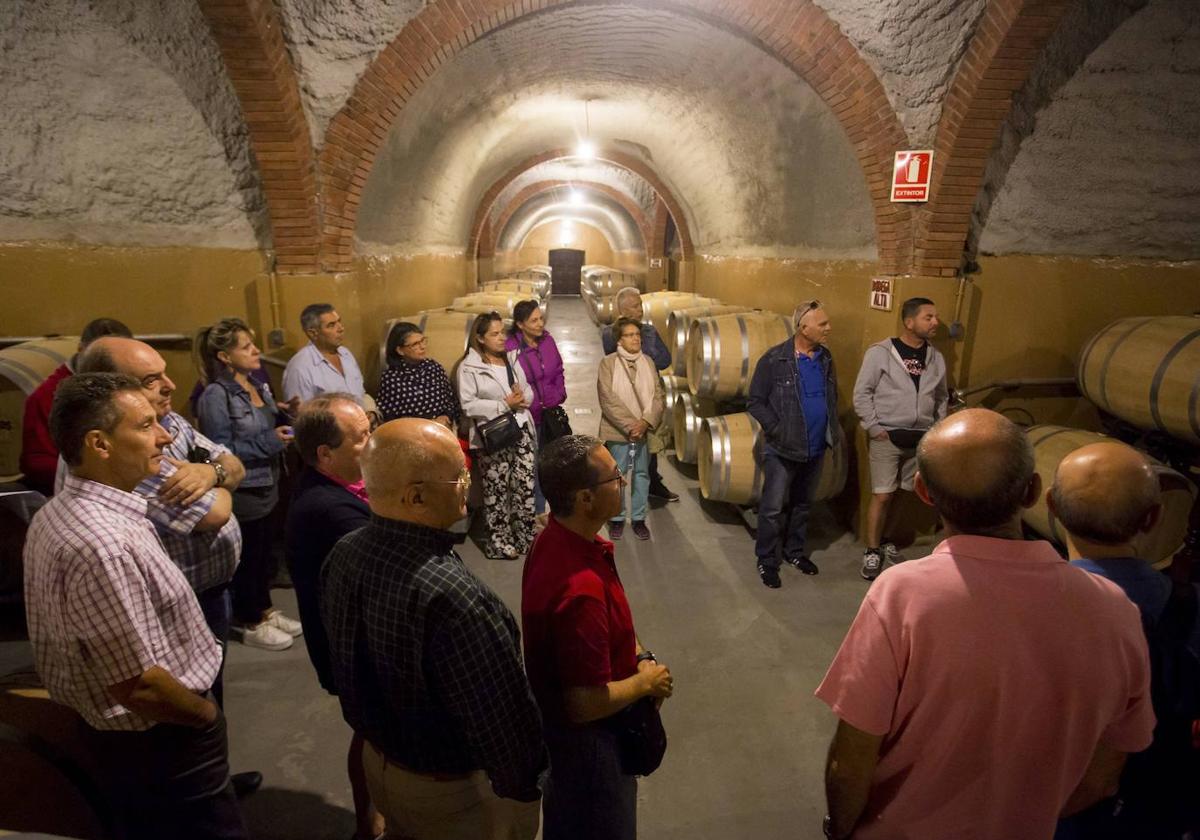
(631,408)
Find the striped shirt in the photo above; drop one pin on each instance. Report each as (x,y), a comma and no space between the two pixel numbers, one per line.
(206,558)
(105,604)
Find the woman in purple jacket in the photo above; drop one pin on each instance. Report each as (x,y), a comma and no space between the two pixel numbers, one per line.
(543,367)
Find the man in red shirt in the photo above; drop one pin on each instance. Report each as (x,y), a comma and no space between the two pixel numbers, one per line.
(584,660)
(39,455)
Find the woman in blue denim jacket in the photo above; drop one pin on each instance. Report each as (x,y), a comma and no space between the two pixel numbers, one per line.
(241,413)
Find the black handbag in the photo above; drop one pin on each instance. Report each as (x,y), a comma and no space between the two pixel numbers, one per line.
(905,438)
(641,738)
(501,432)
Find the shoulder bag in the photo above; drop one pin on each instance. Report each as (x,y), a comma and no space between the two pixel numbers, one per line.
(501,432)
(641,738)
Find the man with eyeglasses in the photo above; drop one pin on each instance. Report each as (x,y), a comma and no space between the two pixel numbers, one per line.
(793,396)
(189,501)
(426,658)
(329,502)
(585,661)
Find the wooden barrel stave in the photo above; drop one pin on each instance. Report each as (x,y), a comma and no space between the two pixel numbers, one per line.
(1053,443)
(1146,371)
(687,421)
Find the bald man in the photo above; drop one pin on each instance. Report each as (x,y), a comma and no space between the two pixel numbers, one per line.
(426,658)
(972,694)
(1106,495)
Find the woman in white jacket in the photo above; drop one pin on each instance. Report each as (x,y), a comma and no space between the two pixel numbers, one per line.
(491,383)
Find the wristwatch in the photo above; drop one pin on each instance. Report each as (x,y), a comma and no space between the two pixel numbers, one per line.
(219,469)
(646,656)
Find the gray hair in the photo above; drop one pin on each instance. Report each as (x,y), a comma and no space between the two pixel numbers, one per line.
(626,292)
(310,317)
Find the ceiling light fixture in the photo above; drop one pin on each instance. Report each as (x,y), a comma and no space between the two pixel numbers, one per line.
(575,197)
(586,148)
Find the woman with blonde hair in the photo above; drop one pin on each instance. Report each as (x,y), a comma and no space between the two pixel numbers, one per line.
(240,413)
(631,408)
(495,398)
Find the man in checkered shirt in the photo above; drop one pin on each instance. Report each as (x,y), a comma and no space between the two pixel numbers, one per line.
(116,630)
(427,659)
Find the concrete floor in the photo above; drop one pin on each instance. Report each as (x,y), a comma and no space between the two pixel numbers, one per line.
(747,738)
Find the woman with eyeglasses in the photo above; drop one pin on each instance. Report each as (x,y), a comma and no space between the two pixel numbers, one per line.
(543,366)
(632,402)
(491,386)
(240,412)
(414,385)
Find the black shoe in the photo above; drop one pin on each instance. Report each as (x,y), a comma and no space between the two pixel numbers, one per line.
(769,577)
(246,783)
(658,490)
(803,564)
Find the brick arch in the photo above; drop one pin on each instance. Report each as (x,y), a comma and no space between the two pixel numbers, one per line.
(487,242)
(796,32)
(481,226)
(1009,39)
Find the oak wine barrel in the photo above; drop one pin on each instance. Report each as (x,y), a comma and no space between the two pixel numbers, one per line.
(1053,443)
(658,306)
(23,367)
(536,289)
(1146,371)
(679,326)
(687,419)
(673,387)
(728,458)
(722,351)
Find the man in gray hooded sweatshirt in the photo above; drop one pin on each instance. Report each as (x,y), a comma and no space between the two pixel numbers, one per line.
(900,392)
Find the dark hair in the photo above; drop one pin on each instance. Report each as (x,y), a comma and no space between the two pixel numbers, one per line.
(316,425)
(912,306)
(993,504)
(622,323)
(96,360)
(521,312)
(84,402)
(397,335)
(564,470)
(310,317)
(1114,521)
(221,336)
(101,327)
(479,328)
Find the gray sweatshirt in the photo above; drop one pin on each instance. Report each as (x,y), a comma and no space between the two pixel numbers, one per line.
(884,396)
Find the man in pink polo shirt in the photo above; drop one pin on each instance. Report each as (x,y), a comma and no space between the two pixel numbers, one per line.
(990,687)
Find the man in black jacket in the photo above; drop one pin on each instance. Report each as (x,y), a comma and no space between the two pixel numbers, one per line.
(329,502)
(793,396)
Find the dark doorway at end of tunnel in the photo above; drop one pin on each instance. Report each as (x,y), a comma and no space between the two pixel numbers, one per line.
(566,265)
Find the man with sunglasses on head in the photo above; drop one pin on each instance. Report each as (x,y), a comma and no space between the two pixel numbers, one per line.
(427,658)
(793,396)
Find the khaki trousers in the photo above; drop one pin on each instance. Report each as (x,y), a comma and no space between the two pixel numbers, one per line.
(417,807)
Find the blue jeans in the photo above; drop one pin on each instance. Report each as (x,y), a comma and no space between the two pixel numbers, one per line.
(783,506)
(633,457)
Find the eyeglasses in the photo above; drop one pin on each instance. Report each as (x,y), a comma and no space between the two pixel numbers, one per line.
(462,482)
(803,309)
(619,476)
(419,343)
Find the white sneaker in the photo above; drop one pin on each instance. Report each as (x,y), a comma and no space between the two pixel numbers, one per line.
(277,619)
(265,636)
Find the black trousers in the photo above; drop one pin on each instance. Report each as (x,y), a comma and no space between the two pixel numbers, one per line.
(171,781)
(252,581)
(587,797)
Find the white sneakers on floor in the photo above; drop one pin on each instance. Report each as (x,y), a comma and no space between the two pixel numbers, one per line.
(275,632)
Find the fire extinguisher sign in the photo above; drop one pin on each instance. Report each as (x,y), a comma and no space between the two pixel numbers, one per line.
(910,176)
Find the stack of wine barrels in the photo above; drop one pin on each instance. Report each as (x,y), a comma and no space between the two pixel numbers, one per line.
(531,272)
(657,309)
(1146,371)
(599,287)
(673,388)
(722,351)
(535,289)
(687,419)
(447,331)
(23,367)
(481,302)
(1053,443)
(728,458)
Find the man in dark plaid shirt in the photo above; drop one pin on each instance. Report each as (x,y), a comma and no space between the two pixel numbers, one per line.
(426,657)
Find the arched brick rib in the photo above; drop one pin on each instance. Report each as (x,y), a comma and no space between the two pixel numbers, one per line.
(249,36)
(797,32)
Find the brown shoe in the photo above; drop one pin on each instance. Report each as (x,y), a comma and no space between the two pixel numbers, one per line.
(640,530)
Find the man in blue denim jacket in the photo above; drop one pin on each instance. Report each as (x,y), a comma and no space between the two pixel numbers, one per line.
(793,396)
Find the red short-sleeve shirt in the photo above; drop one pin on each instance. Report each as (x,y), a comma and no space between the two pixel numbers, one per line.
(577,626)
